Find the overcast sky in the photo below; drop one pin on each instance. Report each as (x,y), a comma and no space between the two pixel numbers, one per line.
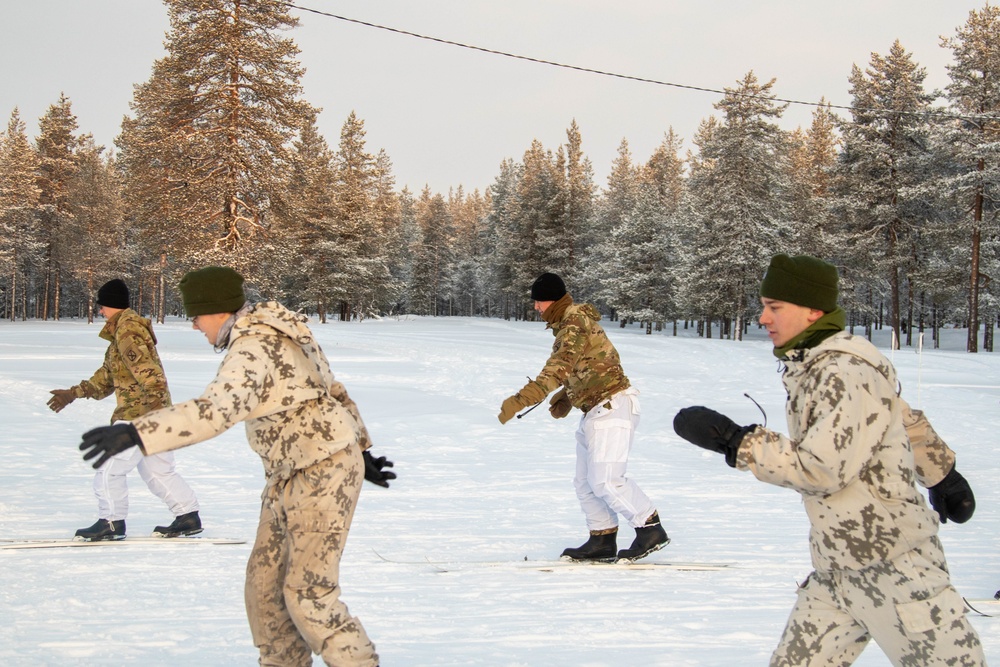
(448,116)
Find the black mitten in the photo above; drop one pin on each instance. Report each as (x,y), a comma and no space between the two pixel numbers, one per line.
(711,430)
(374,470)
(106,441)
(952,498)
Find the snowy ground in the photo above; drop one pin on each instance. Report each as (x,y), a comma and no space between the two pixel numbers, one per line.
(469,489)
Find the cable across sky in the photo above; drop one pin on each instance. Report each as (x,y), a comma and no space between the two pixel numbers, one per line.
(936,112)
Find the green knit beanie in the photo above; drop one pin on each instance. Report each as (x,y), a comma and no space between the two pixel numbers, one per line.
(802,280)
(214,289)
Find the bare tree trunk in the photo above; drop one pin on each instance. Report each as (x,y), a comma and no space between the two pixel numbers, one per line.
(972,344)
(162,288)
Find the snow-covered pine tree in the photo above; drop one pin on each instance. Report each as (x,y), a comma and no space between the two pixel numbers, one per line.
(506,242)
(56,145)
(574,211)
(616,204)
(638,253)
(219,114)
(812,156)
(539,216)
(21,244)
(466,276)
(740,198)
(95,230)
(366,218)
(432,255)
(881,171)
(974,92)
(308,211)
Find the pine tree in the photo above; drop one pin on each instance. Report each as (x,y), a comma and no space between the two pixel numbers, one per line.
(812,158)
(95,231)
(740,200)
(21,245)
(56,144)
(507,242)
(880,170)
(974,91)
(309,214)
(432,255)
(217,119)
(366,219)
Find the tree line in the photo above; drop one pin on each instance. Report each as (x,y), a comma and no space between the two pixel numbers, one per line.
(221,162)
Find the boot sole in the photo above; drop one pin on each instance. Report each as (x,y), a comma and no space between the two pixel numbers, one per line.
(103,538)
(177,533)
(570,559)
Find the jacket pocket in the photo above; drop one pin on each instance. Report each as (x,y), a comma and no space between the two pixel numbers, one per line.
(939,611)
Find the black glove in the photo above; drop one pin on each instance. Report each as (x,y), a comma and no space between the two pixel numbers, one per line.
(952,498)
(374,472)
(713,431)
(106,441)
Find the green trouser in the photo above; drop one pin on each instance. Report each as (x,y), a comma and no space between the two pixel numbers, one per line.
(292,585)
(908,606)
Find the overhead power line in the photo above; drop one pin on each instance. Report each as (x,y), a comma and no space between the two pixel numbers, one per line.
(941,113)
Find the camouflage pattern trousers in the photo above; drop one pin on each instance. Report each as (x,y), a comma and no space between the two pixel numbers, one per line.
(292,585)
(908,606)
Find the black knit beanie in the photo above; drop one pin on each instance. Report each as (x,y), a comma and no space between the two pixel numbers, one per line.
(214,289)
(548,287)
(802,280)
(113,294)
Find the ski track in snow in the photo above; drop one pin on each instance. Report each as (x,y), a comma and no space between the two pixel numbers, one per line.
(429,390)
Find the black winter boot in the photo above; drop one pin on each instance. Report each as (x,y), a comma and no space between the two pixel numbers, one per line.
(185,524)
(600,547)
(648,538)
(103,530)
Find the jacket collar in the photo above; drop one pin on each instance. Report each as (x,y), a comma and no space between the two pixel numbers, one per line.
(554,313)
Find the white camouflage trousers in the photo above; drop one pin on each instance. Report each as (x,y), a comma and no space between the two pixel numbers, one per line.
(908,606)
(156,470)
(603,443)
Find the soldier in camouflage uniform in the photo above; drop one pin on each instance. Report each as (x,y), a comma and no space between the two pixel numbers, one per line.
(133,372)
(880,570)
(313,444)
(586,366)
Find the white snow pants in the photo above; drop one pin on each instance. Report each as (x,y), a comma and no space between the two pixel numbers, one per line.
(603,443)
(156,470)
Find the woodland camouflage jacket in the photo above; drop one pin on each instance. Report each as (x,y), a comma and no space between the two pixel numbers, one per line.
(583,359)
(277,380)
(131,368)
(847,454)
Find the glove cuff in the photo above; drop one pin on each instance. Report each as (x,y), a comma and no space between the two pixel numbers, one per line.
(733,446)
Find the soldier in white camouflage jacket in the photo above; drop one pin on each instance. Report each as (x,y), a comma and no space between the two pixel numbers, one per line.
(880,570)
(313,444)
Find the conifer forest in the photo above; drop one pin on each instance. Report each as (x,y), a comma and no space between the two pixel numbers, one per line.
(220,161)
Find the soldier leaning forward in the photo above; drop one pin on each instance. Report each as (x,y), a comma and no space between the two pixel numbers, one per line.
(880,570)
(313,444)
(133,373)
(587,367)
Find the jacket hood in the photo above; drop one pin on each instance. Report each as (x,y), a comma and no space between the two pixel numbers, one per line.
(847,343)
(108,331)
(273,315)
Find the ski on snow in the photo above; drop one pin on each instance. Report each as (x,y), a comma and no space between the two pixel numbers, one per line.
(128,541)
(552,565)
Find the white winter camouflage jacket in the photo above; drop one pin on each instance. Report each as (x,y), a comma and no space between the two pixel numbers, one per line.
(275,378)
(847,454)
